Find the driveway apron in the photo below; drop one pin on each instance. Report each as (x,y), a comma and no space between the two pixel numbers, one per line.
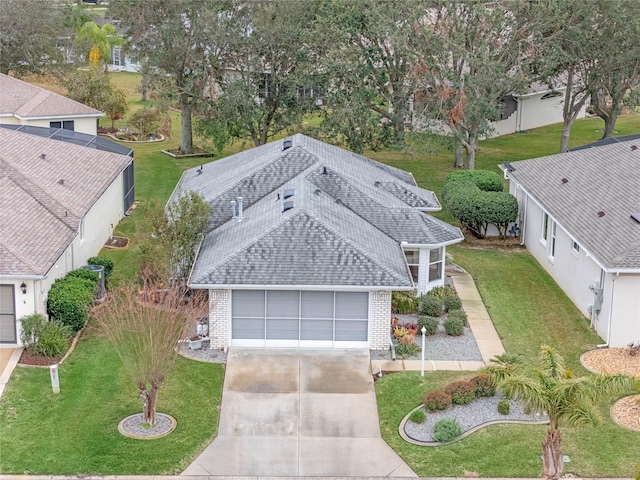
(298,412)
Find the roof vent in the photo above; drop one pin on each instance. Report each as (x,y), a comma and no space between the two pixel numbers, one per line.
(233,209)
(43,156)
(287,144)
(634,147)
(199,171)
(636,216)
(324,170)
(287,206)
(509,167)
(600,214)
(317,191)
(564,180)
(61,181)
(288,193)
(338,201)
(376,184)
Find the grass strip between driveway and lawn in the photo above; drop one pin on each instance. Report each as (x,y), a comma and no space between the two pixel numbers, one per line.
(75,432)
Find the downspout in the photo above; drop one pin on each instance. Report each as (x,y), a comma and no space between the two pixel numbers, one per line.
(524,218)
(613,284)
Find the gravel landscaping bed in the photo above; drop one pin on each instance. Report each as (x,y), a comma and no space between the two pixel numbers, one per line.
(478,412)
(439,346)
(204,354)
(612,360)
(626,412)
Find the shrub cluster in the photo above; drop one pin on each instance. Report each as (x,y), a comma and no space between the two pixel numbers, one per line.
(404,302)
(43,337)
(446,430)
(484,386)
(452,302)
(429,323)
(504,407)
(71,297)
(105,262)
(460,314)
(441,292)
(418,416)
(475,197)
(462,392)
(437,400)
(454,326)
(430,305)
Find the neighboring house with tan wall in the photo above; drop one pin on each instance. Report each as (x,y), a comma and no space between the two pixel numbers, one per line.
(580,219)
(307,241)
(59,204)
(22,103)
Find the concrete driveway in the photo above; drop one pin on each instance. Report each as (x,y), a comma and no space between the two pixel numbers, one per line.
(289,413)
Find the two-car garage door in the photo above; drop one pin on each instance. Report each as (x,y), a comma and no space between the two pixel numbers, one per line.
(299,318)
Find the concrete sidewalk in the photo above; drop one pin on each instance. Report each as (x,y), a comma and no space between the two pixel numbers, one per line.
(299,412)
(9,357)
(487,338)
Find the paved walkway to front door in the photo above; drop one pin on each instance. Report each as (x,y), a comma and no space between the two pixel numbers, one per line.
(298,412)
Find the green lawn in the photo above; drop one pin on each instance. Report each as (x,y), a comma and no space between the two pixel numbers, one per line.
(75,432)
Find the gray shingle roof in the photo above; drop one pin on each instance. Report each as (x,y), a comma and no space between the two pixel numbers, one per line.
(599,179)
(42,201)
(24,100)
(349,217)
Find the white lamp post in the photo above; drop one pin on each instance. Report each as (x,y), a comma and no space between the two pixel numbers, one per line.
(424,331)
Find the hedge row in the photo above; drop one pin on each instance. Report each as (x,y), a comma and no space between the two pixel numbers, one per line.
(71,297)
(476,199)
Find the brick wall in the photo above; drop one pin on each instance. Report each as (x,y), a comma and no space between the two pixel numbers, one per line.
(379,319)
(219,318)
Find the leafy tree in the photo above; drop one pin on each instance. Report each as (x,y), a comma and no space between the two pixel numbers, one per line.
(98,40)
(261,93)
(471,54)
(552,389)
(95,89)
(144,328)
(29,36)
(182,40)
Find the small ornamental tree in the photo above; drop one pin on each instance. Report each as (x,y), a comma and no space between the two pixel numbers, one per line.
(144,329)
(552,389)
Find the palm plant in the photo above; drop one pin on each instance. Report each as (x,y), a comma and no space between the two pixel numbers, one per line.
(551,389)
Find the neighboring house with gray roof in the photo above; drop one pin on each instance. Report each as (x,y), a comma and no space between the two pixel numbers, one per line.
(59,204)
(580,219)
(306,243)
(22,103)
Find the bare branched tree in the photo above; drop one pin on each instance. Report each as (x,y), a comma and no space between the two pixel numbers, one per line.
(144,327)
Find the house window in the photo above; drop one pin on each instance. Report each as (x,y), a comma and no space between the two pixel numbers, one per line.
(65,125)
(413,260)
(545,227)
(436,264)
(575,246)
(117,57)
(553,240)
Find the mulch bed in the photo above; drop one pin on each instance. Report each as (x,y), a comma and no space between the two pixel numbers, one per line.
(117,242)
(38,360)
(509,243)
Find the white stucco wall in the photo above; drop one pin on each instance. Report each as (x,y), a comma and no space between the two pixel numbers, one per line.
(88,125)
(625,328)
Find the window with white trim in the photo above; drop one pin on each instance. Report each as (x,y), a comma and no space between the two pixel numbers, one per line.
(545,227)
(436,264)
(413,261)
(552,252)
(575,246)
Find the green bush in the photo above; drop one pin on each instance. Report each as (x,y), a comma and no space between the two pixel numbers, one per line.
(430,305)
(504,407)
(83,273)
(484,386)
(53,339)
(105,262)
(404,302)
(452,302)
(454,326)
(441,292)
(437,400)
(483,179)
(70,299)
(407,349)
(429,323)
(418,416)
(459,314)
(43,337)
(446,430)
(462,392)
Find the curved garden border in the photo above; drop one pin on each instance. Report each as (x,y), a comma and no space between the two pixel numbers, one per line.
(615,418)
(163,433)
(466,433)
(70,350)
(157,138)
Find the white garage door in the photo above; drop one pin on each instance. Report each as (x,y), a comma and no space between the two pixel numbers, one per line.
(291,318)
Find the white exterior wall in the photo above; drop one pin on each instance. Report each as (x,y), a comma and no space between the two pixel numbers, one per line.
(424,285)
(219,318)
(625,313)
(379,320)
(88,125)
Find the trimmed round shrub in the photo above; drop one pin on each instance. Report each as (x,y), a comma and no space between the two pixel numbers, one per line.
(70,299)
(431,306)
(460,314)
(429,323)
(437,400)
(462,392)
(441,292)
(418,416)
(83,273)
(446,430)
(454,326)
(105,262)
(483,385)
(452,302)
(483,179)
(504,407)
(53,339)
